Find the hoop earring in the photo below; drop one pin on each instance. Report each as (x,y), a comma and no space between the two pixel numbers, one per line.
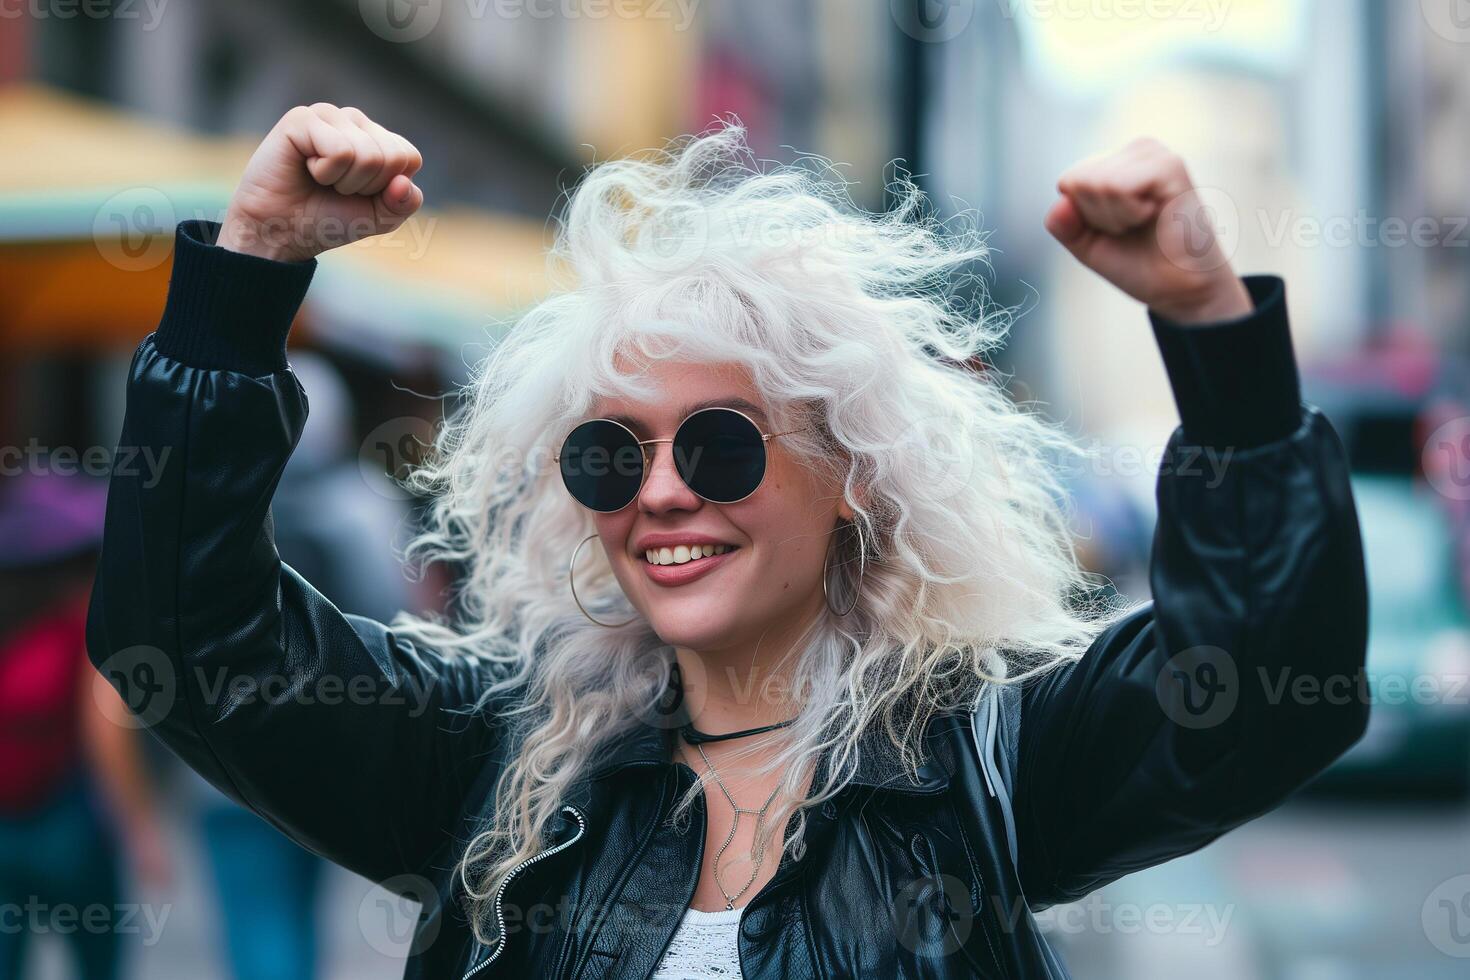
(857,593)
(572,581)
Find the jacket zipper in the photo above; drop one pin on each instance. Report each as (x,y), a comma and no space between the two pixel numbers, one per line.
(500,892)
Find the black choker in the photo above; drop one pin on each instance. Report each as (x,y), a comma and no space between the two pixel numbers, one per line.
(694,736)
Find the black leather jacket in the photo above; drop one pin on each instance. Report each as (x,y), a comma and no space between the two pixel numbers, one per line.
(1172,729)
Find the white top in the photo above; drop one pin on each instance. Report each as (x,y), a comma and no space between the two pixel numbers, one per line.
(705,947)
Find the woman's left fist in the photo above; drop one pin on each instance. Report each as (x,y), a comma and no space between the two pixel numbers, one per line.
(1135,219)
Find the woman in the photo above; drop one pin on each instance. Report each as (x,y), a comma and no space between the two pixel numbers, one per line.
(819,701)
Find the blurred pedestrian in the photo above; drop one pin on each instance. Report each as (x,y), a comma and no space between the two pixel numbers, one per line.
(73,792)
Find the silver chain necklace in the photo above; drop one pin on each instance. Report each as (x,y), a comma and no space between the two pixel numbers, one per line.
(759,814)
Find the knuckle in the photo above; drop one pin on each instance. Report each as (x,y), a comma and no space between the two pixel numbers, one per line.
(1085,175)
(405,152)
(1167,157)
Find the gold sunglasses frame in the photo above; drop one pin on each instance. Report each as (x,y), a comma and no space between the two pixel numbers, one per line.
(766,437)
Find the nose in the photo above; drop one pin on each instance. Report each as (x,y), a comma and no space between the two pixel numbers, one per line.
(663,489)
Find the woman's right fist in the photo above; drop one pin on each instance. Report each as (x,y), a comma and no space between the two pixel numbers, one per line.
(323,177)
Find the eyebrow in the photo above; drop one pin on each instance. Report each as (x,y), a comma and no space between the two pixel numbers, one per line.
(745,405)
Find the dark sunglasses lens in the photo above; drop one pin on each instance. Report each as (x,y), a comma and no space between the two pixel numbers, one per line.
(720,455)
(602,465)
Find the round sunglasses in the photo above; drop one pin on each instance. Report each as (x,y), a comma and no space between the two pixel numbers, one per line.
(719,453)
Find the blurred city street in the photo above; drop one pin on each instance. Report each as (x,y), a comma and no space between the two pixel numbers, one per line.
(357,924)
(1289,897)
(1297,895)
(1328,140)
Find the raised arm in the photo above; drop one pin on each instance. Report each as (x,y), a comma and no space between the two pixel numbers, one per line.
(1237,683)
(341,734)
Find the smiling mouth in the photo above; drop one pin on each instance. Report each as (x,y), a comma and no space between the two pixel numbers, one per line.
(684,554)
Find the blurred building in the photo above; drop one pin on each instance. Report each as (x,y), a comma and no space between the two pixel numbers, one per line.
(507,99)
(1426,108)
(1331,134)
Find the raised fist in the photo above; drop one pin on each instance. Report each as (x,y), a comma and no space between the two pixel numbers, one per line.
(322,177)
(1135,218)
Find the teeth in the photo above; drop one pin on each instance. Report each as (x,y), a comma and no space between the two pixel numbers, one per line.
(683,553)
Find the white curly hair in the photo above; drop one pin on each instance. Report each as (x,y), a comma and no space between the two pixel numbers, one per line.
(871,328)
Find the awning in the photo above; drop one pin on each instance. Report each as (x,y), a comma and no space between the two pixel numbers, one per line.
(89,197)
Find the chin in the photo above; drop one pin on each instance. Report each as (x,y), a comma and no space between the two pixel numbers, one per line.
(694,628)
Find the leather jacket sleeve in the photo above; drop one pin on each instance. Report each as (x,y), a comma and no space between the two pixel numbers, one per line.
(1239,681)
(341,734)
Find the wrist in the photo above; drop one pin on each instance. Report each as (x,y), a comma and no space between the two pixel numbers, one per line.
(1235,381)
(228,310)
(240,234)
(1227,299)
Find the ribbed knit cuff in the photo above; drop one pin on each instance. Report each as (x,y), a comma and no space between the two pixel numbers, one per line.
(1235,381)
(227,310)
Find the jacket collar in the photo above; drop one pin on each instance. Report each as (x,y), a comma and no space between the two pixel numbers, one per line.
(652,743)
